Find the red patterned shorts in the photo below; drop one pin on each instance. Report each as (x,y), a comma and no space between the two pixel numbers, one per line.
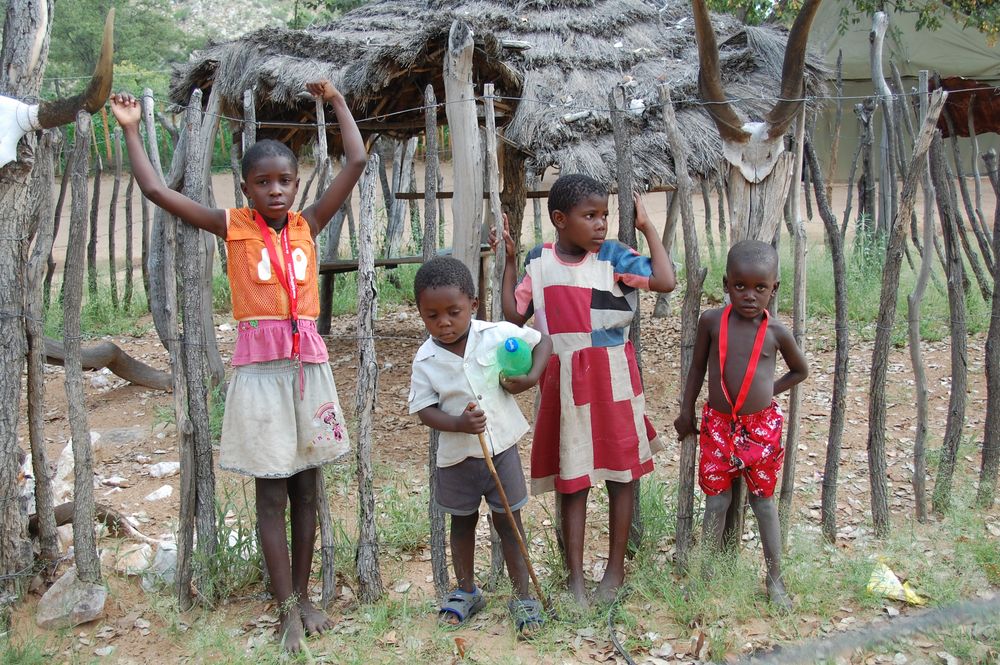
(756,442)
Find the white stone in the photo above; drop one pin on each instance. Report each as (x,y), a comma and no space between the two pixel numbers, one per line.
(164,469)
(161,493)
(70,602)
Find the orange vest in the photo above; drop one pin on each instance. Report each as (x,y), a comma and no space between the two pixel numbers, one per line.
(256,291)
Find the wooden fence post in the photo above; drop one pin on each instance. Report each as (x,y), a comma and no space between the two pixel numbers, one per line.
(112,214)
(439,559)
(33,323)
(95,207)
(191,266)
(690,311)
(88,566)
(626,235)
(831,468)
(467,206)
(883,329)
(798,332)
(369,576)
(991,428)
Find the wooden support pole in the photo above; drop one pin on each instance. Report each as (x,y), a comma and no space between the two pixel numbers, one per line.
(369,576)
(439,559)
(249,120)
(88,566)
(986,493)
(467,206)
(913,303)
(831,467)
(112,215)
(95,208)
(883,330)
(44,503)
(690,311)
(798,332)
(129,244)
(156,260)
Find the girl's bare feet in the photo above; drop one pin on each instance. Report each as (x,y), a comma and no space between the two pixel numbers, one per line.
(291,630)
(314,620)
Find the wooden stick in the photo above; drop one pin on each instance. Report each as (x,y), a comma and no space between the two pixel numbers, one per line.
(510,518)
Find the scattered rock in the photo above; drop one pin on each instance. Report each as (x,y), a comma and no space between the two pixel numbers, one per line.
(130,559)
(899,659)
(104,651)
(70,602)
(164,469)
(161,493)
(124,436)
(402,587)
(115,481)
(162,571)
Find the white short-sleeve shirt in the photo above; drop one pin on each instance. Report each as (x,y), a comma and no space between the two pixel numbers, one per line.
(443,378)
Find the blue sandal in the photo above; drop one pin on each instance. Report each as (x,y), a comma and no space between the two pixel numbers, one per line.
(528,615)
(462,605)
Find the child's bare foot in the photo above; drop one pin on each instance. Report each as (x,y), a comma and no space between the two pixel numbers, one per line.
(777,594)
(609,586)
(291,631)
(579,591)
(314,620)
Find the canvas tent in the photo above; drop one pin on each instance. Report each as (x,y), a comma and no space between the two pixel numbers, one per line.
(951,50)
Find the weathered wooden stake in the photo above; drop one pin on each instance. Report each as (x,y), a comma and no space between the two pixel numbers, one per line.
(838,121)
(369,576)
(112,214)
(991,428)
(95,208)
(156,261)
(831,467)
(439,559)
(883,329)
(460,98)
(694,280)
(57,217)
(626,234)
(129,244)
(88,566)
(799,333)
(913,302)
(44,504)
(954,424)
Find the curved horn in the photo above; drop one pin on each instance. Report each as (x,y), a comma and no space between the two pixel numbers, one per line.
(792,72)
(63,111)
(728,122)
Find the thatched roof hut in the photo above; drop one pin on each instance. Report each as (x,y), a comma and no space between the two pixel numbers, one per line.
(547,58)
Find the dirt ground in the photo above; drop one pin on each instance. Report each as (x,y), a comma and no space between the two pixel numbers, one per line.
(140,631)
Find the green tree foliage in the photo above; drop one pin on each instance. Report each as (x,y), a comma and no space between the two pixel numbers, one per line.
(146,35)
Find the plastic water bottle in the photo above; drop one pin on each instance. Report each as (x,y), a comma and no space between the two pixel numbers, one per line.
(514,357)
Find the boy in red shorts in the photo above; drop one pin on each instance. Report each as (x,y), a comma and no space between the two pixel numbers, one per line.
(741,423)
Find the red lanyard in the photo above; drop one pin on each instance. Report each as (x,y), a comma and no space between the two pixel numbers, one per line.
(287,281)
(758,345)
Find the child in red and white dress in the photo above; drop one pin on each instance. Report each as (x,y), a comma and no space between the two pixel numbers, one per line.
(591,425)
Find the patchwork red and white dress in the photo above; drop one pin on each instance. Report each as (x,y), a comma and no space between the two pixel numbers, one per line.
(591,424)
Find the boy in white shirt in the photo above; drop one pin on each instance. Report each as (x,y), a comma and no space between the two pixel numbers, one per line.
(457,388)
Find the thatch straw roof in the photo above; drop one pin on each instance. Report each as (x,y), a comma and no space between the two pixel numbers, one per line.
(383,54)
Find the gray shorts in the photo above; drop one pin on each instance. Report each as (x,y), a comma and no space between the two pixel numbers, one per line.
(461,487)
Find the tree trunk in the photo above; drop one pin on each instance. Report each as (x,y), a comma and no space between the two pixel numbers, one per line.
(88,566)
(112,214)
(328,542)
(191,267)
(369,577)
(838,121)
(991,428)
(460,98)
(439,559)
(883,328)
(514,195)
(866,185)
(23,55)
(694,280)
(798,331)
(941,498)
(706,205)
(831,467)
(663,306)
(976,221)
(44,505)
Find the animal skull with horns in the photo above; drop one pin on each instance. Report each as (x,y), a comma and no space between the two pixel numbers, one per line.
(18,118)
(753,146)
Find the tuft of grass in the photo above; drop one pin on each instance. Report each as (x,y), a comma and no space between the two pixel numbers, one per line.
(237,563)
(403,523)
(98,317)
(29,653)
